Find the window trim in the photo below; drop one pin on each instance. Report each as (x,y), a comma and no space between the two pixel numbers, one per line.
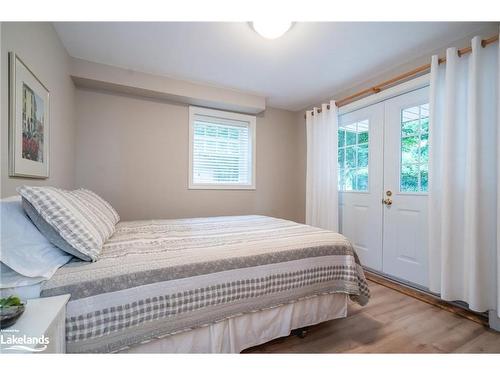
(252,120)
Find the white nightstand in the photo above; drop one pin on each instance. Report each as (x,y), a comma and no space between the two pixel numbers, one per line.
(41,329)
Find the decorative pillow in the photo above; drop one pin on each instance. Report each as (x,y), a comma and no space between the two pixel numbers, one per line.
(24,249)
(50,233)
(99,205)
(76,221)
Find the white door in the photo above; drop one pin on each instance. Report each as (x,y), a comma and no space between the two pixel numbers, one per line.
(406,154)
(360,162)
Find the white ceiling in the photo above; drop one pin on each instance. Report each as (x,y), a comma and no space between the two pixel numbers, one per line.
(308,64)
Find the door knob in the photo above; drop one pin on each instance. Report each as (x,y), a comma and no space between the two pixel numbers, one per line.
(387,201)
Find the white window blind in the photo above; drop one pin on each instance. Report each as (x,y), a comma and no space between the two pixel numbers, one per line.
(222,149)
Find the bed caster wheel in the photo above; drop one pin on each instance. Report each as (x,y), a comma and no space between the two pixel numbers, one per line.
(300,332)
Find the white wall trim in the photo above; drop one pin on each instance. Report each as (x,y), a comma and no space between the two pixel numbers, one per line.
(252,121)
(391,92)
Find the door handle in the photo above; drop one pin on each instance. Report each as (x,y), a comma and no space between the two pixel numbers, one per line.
(387,201)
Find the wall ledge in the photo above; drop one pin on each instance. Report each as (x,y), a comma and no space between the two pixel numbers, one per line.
(106,77)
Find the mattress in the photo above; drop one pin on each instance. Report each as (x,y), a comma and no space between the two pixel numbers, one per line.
(160,277)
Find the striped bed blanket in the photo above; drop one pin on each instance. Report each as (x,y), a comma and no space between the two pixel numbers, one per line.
(160,277)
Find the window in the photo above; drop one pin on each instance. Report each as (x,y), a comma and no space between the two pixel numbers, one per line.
(414,173)
(353,156)
(221,150)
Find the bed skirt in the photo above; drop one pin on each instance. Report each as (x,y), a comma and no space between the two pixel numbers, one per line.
(237,333)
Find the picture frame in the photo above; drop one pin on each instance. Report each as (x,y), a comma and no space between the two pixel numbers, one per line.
(29,122)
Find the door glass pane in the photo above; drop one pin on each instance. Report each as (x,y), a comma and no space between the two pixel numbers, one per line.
(353,156)
(425,125)
(341,158)
(414,149)
(363,137)
(363,155)
(341,138)
(409,177)
(424,177)
(341,177)
(410,128)
(410,149)
(362,179)
(350,179)
(350,157)
(350,137)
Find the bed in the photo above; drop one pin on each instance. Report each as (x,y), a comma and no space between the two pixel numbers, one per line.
(218,284)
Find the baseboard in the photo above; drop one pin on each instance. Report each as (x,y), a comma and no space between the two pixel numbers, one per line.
(494,320)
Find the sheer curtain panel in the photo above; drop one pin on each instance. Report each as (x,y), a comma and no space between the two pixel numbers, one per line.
(322,174)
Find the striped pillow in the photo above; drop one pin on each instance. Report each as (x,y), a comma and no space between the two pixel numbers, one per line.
(99,205)
(81,218)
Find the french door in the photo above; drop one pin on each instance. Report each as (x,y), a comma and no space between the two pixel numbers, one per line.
(360,161)
(383,175)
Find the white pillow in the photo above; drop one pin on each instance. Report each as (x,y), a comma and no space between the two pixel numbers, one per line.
(23,248)
(15,284)
(23,292)
(11,279)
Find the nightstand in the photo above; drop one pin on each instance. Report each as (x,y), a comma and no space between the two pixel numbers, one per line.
(41,329)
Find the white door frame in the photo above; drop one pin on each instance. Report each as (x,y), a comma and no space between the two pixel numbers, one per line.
(401,89)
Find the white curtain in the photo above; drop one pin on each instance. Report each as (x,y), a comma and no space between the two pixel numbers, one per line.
(321,184)
(464,177)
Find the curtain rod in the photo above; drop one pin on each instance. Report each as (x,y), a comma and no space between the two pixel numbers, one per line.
(404,76)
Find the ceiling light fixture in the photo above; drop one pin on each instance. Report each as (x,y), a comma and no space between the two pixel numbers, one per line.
(271,29)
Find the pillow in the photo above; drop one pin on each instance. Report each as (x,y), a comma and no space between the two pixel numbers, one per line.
(23,248)
(50,233)
(76,221)
(15,284)
(23,292)
(92,201)
(99,205)
(11,279)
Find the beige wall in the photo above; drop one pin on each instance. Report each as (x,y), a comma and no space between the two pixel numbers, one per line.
(40,48)
(134,152)
(301,156)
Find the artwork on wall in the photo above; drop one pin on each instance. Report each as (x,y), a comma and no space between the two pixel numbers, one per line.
(29,130)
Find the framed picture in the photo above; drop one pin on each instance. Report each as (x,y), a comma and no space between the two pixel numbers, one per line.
(29,128)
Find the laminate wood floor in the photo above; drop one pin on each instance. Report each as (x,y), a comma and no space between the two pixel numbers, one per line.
(392,322)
